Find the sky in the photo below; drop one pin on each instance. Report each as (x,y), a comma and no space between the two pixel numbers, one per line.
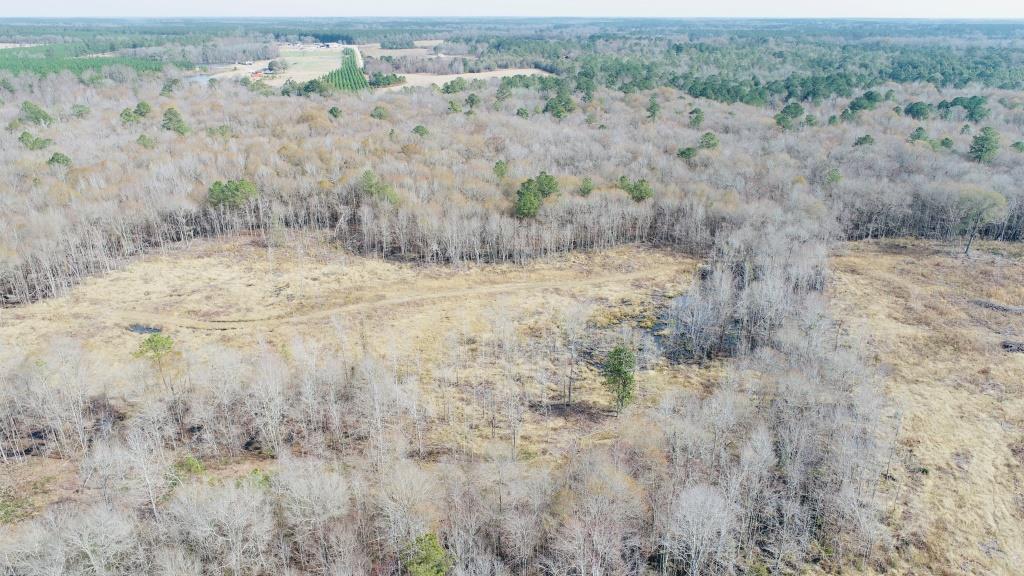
(479,8)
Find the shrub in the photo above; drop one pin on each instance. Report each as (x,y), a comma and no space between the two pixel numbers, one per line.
(918,134)
(335,112)
(560,106)
(918,110)
(142,109)
(33,142)
(222,131)
(528,199)
(174,122)
(639,190)
(985,146)
(146,142)
(128,116)
(58,159)
(231,194)
(379,113)
(372,185)
(792,110)
(653,107)
(155,347)
(500,169)
(546,184)
(709,141)
(1018,146)
(170,86)
(80,111)
(33,114)
(688,153)
(457,85)
(865,140)
(618,370)
(696,117)
(380,80)
(522,112)
(189,466)
(426,557)
(420,130)
(586,187)
(788,114)
(318,86)
(784,122)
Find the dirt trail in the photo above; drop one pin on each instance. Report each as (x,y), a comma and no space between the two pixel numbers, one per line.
(270,322)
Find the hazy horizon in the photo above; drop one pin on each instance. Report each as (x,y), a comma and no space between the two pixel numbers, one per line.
(783,9)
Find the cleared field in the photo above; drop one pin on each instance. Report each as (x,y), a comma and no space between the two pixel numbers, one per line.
(957,479)
(235,294)
(376,51)
(423,49)
(304,63)
(932,321)
(308,63)
(218,297)
(429,79)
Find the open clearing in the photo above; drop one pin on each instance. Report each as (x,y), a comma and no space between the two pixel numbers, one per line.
(430,79)
(311,61)
(958,475)
(376,51)
(306,62)
(423,49)
(236,294)
(956,482)
(219,297)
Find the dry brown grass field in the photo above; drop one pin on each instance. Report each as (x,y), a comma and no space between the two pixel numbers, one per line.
(418,79)
(955,480)
(217,295)
(711,298)
(957,477)
(423,49)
